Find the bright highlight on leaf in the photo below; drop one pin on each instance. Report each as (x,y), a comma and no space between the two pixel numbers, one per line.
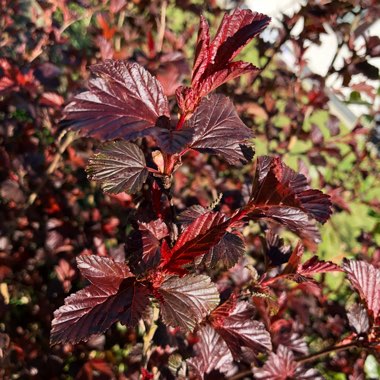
(365,278)
(123,101)
(187,300)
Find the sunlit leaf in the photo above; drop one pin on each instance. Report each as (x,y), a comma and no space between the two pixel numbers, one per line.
(123,101)
(185,301)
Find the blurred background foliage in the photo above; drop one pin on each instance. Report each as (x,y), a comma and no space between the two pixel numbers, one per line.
(325,126)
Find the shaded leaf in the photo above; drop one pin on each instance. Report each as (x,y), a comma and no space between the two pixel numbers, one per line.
(365,278)
(185,301)
(282,366)
(143,245)
(212,353)
(123,101)
(172,141)
(219,130)
(295,259)
(118,166)
(294,219)
(275,249)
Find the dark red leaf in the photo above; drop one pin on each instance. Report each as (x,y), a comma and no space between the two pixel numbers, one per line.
(185,301)
(201,57)
(294,219)
(94,309)
(123,101)
(172,141)
(112,296)
(238,329)
(215,79)
(219,130)
(213,64)
(284,332)
(282,366)
(197,239)
(277,184)
(295,259)
(281,194)
(118,166)
(227,252)
(212,353)
(234,32)
(314,266)
(365,278)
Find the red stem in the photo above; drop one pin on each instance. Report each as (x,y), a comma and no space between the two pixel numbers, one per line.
(181,122)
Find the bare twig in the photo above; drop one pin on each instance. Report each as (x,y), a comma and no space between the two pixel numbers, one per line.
(162,26)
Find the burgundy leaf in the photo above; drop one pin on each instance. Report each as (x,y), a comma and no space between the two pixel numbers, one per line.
(215,79)
(118,166)
(365,278)
(314,266)
(282,366)
(188,216)
(185,301)
(358,318)
(238,329)
(283,332)
(219,130)
(94,309)
(212,353)
(282,195)
(227,252)
(157,228)
(201,58)
(197,239)
(172,141)
(123,101)
(234,32)
(213,64)
(277,184)
(295,259)
(294,219)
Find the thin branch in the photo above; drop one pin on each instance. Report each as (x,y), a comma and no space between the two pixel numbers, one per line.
(161,30)
(327,351)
